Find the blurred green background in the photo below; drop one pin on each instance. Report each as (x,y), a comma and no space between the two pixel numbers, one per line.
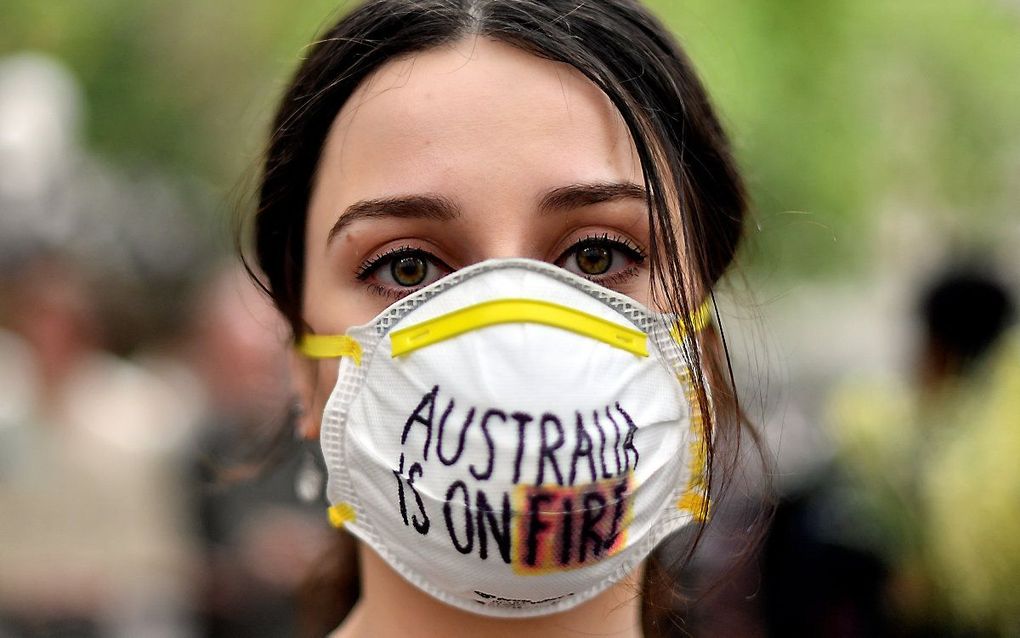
(843,113)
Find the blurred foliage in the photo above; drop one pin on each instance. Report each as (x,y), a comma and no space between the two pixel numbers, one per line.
(842,112)
(845,112)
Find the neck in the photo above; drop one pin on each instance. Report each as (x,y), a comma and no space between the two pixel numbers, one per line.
(390,607)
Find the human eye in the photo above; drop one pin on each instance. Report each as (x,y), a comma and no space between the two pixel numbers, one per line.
(605,259)
(401,271)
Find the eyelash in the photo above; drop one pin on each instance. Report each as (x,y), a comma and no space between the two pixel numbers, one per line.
(372,264)
(619,242)
(616,242)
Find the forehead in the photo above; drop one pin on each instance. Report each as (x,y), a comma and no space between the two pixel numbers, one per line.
(475,113)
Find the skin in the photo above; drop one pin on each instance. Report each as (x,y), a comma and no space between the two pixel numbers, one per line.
(492,130)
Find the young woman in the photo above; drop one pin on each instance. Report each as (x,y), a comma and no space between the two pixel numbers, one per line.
(539,193)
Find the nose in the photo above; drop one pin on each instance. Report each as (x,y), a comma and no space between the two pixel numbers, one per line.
(505,235)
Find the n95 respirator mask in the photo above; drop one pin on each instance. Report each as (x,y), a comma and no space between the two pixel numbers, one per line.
(512,439)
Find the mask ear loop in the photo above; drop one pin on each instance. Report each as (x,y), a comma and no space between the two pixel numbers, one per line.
(694,500)
(700,319)
(332,347)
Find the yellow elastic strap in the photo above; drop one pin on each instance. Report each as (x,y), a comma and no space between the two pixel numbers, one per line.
(695,504)
(330,347)
(341,514)
(700,319)
(490,313)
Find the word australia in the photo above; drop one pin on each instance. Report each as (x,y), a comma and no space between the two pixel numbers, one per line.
(602,448)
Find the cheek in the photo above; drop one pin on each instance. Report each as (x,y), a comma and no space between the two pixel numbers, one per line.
(639,289)
(642,292)
(326,376)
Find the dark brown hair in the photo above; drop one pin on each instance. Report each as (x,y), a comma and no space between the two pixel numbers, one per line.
(689,174)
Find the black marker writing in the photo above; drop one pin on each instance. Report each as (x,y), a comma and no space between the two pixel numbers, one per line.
(427,402)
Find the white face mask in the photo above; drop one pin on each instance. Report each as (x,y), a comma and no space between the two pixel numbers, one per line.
(512,439)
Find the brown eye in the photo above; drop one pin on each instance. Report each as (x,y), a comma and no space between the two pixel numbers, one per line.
(599,258)
(594,259)
(409,271)
(401,271)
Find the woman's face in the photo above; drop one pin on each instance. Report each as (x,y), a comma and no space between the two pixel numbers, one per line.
(464,153)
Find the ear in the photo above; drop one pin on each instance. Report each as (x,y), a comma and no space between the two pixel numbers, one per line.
(304,372)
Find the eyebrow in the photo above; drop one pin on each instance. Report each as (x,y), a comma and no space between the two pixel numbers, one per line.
(425,206)
(439,208)
(580,195)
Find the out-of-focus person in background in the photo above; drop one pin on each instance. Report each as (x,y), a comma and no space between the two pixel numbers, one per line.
(94,536)
(259,539)
(93,532)
(969,488)
(131,373)
(930,479)
(101,533)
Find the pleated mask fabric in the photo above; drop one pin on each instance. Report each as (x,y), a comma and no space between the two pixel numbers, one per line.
(513,439)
